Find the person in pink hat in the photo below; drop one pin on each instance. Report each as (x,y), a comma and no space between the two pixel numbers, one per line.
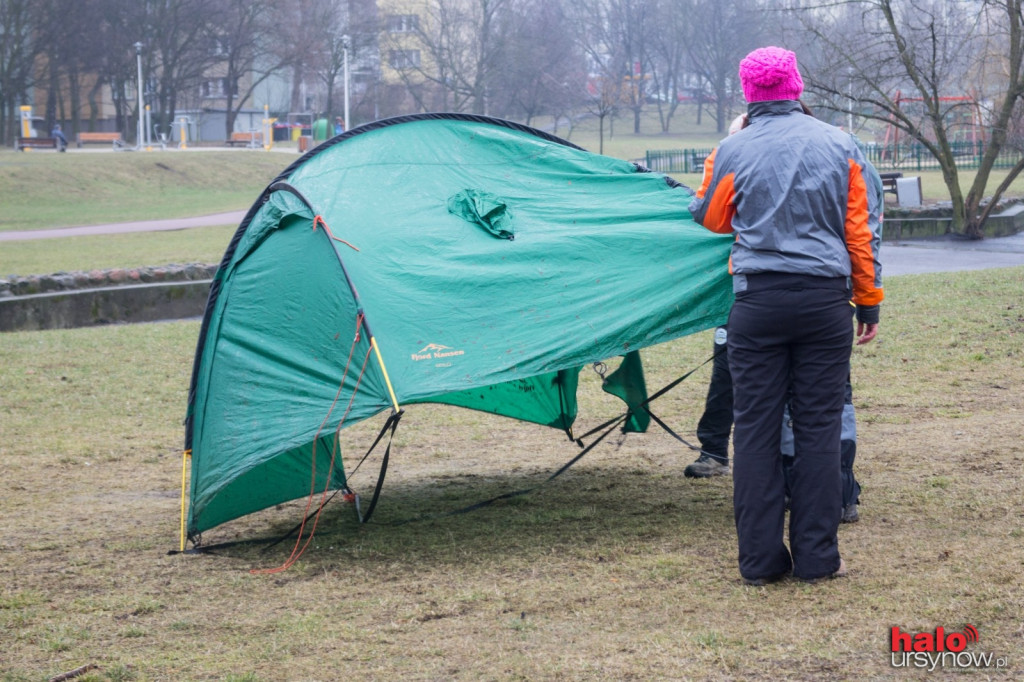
(794,191)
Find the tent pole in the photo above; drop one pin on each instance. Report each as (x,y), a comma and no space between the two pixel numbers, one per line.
(387,380)
(184,461)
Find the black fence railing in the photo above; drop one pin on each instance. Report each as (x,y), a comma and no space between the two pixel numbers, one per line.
(677,160)
(902,157)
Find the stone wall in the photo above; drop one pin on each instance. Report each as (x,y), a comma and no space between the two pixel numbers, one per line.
(934,220)
(14,285)
(80,299)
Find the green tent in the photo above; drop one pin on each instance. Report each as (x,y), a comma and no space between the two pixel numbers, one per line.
(434,258)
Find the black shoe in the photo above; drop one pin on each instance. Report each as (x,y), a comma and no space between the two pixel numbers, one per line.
(761,582)
(850,514)
(840,572)
(706,466)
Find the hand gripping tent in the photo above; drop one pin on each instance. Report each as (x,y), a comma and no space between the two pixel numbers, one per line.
(433,258)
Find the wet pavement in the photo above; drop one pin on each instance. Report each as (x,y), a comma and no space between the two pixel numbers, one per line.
(951,254)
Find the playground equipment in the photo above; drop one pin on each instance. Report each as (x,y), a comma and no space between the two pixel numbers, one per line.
(26,122)
(184,122)
(962,117)
(268,128)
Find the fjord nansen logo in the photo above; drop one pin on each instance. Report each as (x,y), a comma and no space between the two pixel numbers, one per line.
(435,351)
(939,649)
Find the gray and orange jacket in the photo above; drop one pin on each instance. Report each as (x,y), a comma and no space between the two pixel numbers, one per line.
(797,194)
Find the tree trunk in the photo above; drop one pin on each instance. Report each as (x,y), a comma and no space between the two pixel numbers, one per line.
(94,108)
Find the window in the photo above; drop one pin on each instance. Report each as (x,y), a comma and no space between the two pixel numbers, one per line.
(404,59)
(217,87)
(212,88)
(219,46)
(403,23)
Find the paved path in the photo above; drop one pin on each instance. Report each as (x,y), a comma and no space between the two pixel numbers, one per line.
(949,254)
(232,218)
(942,254)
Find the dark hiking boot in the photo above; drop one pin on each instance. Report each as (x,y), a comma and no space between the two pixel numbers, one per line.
(706,467)
(840,572)
(761,582)
(850,514)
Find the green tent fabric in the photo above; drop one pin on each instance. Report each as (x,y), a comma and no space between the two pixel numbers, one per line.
(627,383)
(433,258)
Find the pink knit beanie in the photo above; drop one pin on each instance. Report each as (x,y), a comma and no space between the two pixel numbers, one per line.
(770,73)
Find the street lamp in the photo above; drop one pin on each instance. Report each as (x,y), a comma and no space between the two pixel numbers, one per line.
(138,60)
(849,95)
(344,52)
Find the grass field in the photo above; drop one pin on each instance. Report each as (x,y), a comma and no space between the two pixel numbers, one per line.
(44,190)
(621,569)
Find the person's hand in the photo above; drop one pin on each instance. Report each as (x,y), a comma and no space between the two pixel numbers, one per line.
(866,332)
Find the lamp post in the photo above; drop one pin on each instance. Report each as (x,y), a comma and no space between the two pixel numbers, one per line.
(849,95)
(138,60)
(344,52)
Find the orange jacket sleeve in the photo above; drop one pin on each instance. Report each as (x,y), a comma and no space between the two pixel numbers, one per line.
(859,241)
(715,212)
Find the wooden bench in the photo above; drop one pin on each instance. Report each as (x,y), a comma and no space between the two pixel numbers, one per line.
(889,181)
(100,138)
(245,138)
(37,143)
(697,162)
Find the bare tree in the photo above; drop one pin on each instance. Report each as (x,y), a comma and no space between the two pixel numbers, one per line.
(250,48)
(463,42)
(542,67)
(631,26)
(917,67)
(719,34)
(17,55)
(667,53)
(606,58)
(180,45)
(325,36)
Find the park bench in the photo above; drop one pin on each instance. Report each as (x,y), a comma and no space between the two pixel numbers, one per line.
(697,162)
(889,181)
(37,143)
(100,138)
(252,138)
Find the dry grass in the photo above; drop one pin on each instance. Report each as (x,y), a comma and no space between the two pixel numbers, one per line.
(620,569)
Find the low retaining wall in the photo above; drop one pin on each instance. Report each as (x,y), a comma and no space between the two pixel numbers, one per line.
(902,224)
(106,305)
(83,299)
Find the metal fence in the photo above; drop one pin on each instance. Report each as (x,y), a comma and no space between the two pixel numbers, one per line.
(915,157)
(902,157)
(676,160)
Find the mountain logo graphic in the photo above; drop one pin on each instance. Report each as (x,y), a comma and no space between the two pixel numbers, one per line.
(434,347)
(437,351)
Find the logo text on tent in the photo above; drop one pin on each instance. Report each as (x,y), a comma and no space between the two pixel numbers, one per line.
(435,351)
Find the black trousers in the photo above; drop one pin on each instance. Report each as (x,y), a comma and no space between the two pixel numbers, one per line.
(715,423)
(788,334)
(847,448)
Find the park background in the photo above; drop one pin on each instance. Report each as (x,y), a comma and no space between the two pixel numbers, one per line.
(620,569)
